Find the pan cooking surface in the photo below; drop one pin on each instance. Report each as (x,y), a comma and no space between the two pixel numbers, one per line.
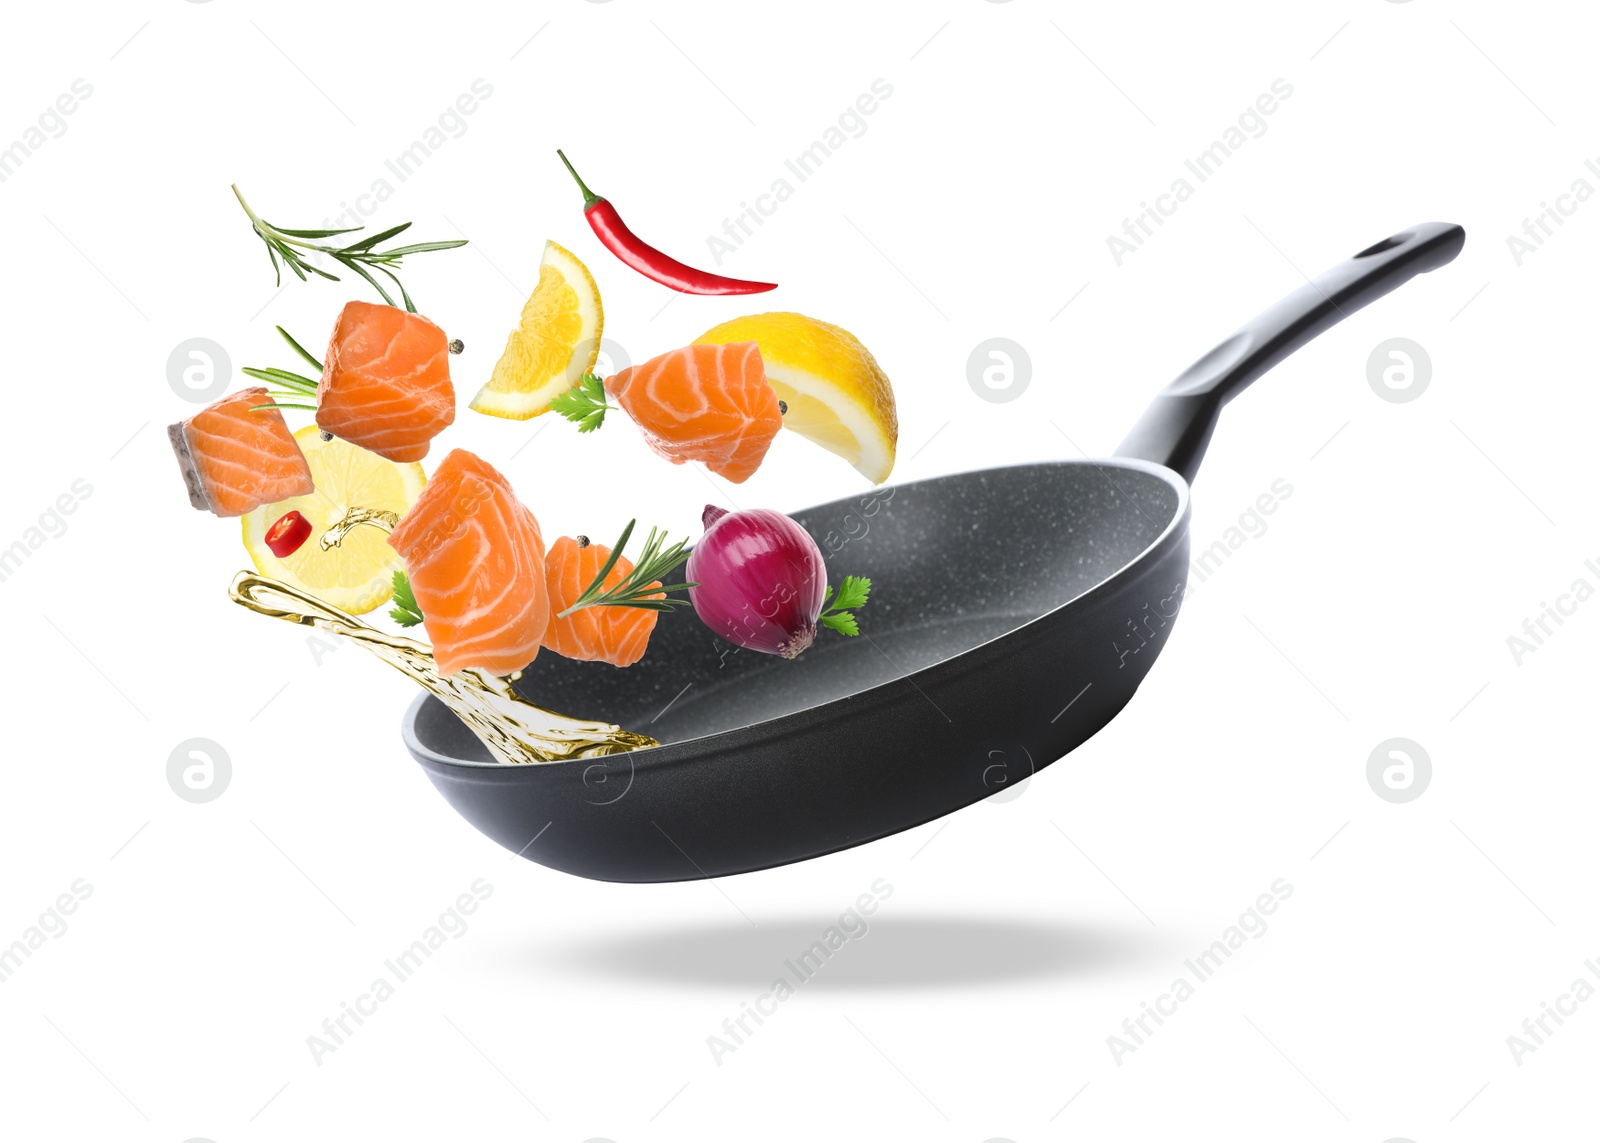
(955,562)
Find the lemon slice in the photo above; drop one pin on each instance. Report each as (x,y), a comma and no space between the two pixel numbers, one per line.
(357,573)
(837,396)
(555,343)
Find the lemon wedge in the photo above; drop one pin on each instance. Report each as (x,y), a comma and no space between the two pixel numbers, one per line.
(837,396)
(356,573)
(557,340)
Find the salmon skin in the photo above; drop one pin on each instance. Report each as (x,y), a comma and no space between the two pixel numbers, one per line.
(235,457)
(615,635)
(709,403)
(386,381)
(475,559)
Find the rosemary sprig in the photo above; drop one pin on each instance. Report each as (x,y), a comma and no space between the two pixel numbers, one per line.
(584,404)
(405,610)
(293,389)
(285,245)
(852,593)
(656,562)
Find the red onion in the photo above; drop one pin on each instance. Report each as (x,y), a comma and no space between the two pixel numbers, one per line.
(759,580)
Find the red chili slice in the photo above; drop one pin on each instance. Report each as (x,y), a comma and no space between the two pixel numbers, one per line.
(287,534)
(634,251)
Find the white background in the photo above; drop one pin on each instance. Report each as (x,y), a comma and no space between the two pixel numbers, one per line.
(977,204)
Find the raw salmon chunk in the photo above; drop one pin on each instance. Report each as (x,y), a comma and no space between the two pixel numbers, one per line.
(475,559)
(235,457)
(710,403)
(386,381)
(615,635)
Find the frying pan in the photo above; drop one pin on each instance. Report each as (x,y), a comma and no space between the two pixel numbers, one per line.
(1014,612)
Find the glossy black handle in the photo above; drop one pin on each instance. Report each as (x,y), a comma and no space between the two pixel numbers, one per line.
(1177,426)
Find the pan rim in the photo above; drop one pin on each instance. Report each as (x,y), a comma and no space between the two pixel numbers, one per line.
(738,738)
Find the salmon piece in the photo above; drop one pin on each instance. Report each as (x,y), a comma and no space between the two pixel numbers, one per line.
(710,403)
(615,635)
(235,458)
(475,558)
(386,381)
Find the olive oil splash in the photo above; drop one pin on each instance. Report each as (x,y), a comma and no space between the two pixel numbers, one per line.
(342,527)
(514,729)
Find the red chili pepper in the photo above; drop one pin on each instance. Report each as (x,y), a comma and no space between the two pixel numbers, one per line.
(285,537)
(652,263)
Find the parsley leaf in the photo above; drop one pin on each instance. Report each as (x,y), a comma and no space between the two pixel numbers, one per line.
(844,623)
(836,605)
(584,403)
(405,610)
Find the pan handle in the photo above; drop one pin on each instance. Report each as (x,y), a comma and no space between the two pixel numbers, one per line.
(1177,426)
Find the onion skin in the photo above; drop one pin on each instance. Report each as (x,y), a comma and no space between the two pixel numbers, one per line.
(759,580)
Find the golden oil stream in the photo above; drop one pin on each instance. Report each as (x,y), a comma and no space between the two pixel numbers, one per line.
(514,729)
(340,528)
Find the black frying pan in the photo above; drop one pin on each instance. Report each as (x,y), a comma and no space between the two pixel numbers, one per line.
(1014,612)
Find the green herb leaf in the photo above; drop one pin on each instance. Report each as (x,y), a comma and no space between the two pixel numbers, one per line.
(317,270)
(405,610)
(853,592)
(844,623)
(283,405)
(411,306)
(281,377)
(313,233)
(836,605)
(640,587)
(300,349)
(290,390)
(584,404)
(347,260)
(424,247)
(611,560)
(284,246)
(381,236)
